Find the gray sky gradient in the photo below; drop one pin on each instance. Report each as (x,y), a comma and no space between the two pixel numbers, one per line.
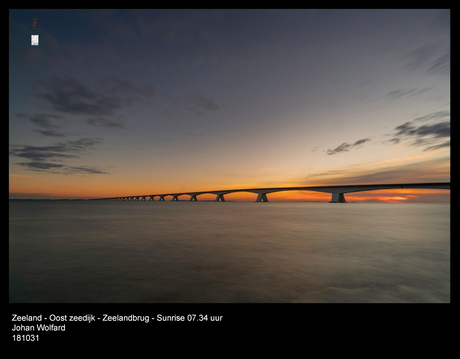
(191,99)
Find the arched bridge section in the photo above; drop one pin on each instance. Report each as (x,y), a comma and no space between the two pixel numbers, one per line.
(337,192)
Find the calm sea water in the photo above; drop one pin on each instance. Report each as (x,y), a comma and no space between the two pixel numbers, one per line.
(228,252)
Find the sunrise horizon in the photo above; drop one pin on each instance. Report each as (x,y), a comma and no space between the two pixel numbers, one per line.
(405,195)
(125,102)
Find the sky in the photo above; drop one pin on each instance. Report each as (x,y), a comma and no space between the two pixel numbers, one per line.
(134,102)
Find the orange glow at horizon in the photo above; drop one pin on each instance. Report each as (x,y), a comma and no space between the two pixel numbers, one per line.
(37,186)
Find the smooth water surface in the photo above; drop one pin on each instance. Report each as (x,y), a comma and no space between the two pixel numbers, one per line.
(228,252)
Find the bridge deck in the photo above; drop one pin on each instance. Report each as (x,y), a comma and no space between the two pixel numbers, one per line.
(336,191)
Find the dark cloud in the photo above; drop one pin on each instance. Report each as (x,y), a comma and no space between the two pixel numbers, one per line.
(41,153)
(436,130)
(417,135)
(51,133)
(71,96)
(84,170)
(101,102)
(44,158)
(44,121)
(98,103)
(40,166)
(422,135)
(51,167)
(428,135)
(345,147)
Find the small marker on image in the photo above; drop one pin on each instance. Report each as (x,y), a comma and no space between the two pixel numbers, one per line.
(34,40)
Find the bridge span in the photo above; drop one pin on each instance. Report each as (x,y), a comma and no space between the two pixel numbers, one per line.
(337,192)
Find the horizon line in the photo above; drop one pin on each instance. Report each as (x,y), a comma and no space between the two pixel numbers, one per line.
(289,188)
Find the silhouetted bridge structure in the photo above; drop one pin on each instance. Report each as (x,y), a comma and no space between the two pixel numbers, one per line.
(338,192)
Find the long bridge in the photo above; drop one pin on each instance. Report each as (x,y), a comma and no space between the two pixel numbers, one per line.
(338,192)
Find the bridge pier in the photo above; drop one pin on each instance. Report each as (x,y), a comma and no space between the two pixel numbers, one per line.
(151,198)
(162,198)
(337,198)
(220,197)
(175,198)
(143,198)
(262,197)
(193,197)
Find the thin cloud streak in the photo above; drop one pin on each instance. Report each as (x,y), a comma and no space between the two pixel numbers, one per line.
(432,170)
(434,115)
(44,121)
(402,93)
(426,59)
(345,147)
(105,123)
